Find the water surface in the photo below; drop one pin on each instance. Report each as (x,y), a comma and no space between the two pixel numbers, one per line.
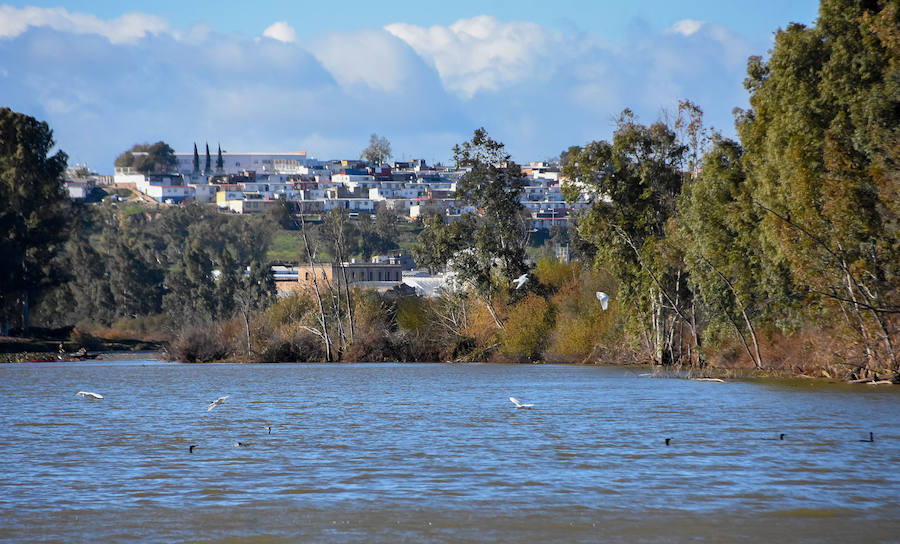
(437,453)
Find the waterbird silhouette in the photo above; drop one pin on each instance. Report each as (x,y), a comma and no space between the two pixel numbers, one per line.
(603,298)
(217,402)
(870,439)
(241,444)
(191,448)
(668,440)
(88,394)
(780,437)
(268,428)
(520,281)
(519,404)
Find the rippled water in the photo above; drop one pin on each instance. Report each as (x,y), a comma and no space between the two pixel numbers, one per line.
(393,453)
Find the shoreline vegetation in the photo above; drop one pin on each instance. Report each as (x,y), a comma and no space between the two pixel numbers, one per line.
(776,253)
(118,351)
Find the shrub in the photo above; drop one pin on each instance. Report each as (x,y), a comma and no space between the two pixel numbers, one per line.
(277,346)
(554,273)
(527,328)
(202,343)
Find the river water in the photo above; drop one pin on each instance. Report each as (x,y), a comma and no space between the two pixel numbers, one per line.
(438,453)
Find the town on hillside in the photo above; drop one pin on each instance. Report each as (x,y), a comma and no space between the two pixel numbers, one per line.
(255,183)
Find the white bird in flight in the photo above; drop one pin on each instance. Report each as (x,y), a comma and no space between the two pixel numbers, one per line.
(88,394)
(217,402)
(519,404)
(603,298)
(520,281)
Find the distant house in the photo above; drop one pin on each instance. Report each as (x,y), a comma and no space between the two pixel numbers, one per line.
(171,194)
(381,276)
(235,163)
(79,190)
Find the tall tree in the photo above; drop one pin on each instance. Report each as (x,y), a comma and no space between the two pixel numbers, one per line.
(220,162)
(208,165)
(34,212)
(196,160)
(821,147)
(487,251)
(634,183)
(379,150)
(719,229)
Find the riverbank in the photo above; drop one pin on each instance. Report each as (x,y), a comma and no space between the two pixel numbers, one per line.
(19,349)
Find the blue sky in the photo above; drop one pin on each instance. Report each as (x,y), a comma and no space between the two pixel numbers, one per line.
(321,77)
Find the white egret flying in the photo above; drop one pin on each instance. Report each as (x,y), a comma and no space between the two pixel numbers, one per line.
(519,404)
(520,281)
(603,298)
(88,394)
(217,402)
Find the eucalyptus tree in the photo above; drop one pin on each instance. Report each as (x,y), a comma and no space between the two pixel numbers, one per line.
(634,184)
(486,251)
(718,227)
(821,153)
(34,213)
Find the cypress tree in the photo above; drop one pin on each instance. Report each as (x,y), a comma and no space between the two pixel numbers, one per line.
(208,168)
(196,160)
(220,163)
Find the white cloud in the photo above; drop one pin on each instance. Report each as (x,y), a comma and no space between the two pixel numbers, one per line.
(481,53)
(686,27)
(373,59)
(425,88)
(128,28)
(281,31)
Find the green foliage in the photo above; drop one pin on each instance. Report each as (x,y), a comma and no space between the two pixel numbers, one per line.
(528,327)
(34,212)
(635,182)
(291,309)
(821,148)
(412,315)
(554,273)
(583,328)
(156,158)
(485,252)
(220,162)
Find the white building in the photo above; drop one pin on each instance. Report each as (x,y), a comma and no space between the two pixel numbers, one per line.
(235,163)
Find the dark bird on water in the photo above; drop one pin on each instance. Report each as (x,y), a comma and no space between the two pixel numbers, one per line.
(269,428)
(870,439)
(191,448)
(668,440)
(241,444)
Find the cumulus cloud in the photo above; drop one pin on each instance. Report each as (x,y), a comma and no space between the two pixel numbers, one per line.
(482,53)
(134,79)
(281,31)
(125,29)
(372,58)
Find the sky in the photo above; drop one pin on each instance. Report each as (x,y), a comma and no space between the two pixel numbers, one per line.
(320,77)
